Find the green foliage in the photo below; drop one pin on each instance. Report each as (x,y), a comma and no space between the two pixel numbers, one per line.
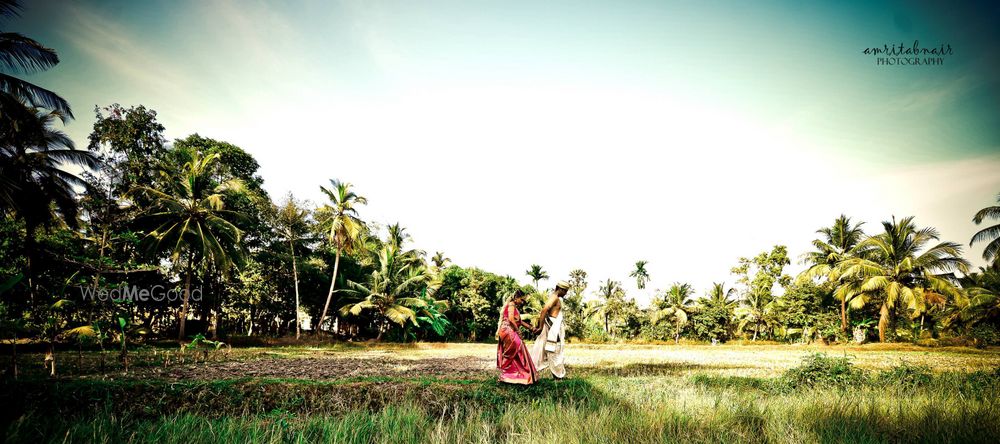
(990,234)
(904,375)
(985,334)
(818,369)
(199,340)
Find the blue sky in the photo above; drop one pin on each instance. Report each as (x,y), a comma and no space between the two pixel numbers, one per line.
(570,134)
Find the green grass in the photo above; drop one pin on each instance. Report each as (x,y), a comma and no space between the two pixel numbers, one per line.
(635,394)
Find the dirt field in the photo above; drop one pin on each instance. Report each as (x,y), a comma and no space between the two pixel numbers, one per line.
(477,361)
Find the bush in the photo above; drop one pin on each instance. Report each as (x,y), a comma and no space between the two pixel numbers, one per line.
(905,374)
(818,369)
(985,334)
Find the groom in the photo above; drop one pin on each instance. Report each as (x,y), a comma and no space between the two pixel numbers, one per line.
(548,349)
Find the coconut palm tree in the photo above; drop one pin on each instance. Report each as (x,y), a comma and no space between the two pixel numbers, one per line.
(292,223)
(640,274)
(755,310)
(439,260)
(187,209)
(990,234)
(719,296)
(676,303)
(894,267)
(536,273)
(22,55)
(345,228)
(395,290)
(398,236)
(613,296)
(983,290)
(838,244)
(37,184)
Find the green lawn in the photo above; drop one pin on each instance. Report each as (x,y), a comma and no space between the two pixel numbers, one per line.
(447,393)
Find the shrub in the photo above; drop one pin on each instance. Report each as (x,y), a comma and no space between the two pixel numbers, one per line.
(985,334)
(905,374)
(818,369)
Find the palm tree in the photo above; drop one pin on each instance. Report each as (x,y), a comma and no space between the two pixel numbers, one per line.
(614,301)
(398,235)
(989,234)
(292,223)
(345,228)
(984,295)
(723,299)
(440,260)
(719,296)
(838,244)
(640,274)
(892,268)
(537,273)
(676,303)
(755,310)
(395,290)
(36,185)
(578,281)
(191,220)
(22,55)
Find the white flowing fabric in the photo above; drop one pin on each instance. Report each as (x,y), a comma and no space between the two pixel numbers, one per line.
(549,346)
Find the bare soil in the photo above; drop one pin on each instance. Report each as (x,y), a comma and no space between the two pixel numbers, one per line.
(328,368)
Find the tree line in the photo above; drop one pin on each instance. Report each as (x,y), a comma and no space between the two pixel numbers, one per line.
(132,210)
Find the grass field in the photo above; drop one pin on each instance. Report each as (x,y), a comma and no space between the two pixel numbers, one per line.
(448,393)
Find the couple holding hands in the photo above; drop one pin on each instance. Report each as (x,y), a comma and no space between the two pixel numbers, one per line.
(519,366)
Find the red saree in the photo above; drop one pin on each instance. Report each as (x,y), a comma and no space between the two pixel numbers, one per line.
(513,359)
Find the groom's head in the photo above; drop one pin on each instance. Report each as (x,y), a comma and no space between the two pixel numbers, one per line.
(562,288)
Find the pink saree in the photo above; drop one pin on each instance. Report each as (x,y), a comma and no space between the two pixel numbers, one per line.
(513,359)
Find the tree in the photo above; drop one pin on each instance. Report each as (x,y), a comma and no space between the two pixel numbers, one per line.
(759,277)
(439,260)
(613,296)
(292,221)
(990,234)
(838,244)
(36,184)
(892,268)
(22,55)
(189,213)
(806,309)
(640,274)
(345,228)
(712,318)
(675,304)
(398,236)
(393,290)
(984,296)
(573,302)
(132,142)
(536,273)
(129,143)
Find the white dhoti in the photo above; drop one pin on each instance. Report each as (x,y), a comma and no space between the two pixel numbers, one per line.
(549,346)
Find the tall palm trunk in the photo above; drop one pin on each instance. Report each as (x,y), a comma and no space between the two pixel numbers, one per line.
(187,293)
(329,295)
(29,256)
(883,322)
(843,314)
(295,277)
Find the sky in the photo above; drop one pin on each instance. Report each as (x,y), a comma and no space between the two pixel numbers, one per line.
(568,134)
